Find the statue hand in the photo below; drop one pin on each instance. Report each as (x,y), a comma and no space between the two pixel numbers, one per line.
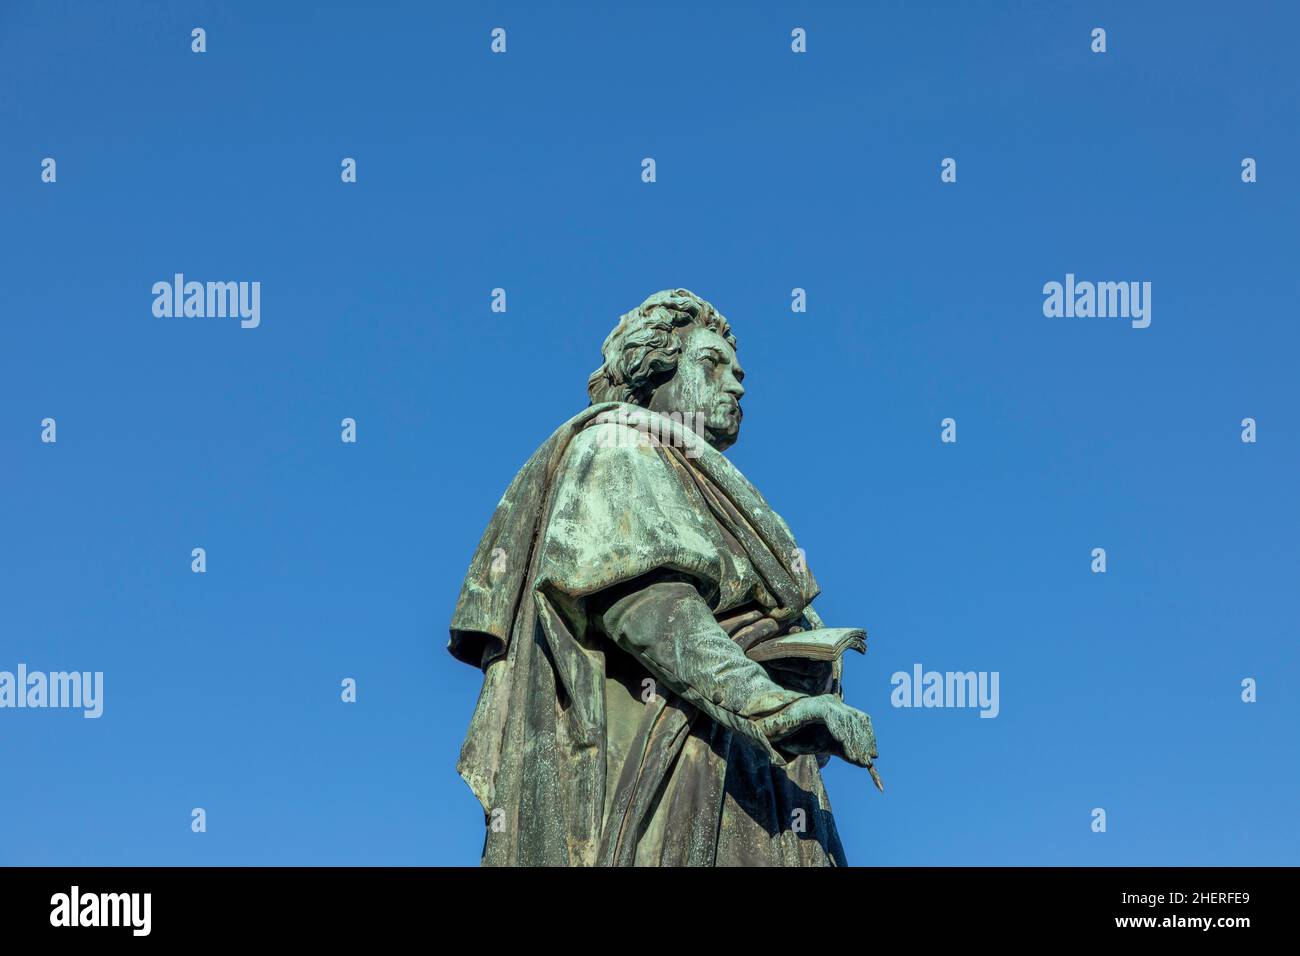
(823,724)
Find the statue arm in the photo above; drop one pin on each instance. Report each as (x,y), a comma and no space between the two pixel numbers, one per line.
(668,627)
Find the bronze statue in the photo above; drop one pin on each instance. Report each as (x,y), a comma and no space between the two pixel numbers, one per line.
(657,687)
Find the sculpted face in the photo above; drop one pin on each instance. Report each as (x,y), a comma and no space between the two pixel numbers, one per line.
(707,381)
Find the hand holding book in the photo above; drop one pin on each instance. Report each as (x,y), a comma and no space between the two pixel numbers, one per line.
(821,723)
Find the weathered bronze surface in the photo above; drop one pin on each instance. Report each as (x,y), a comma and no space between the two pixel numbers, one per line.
(629,573)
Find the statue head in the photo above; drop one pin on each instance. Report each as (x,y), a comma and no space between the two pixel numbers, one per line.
(674,353)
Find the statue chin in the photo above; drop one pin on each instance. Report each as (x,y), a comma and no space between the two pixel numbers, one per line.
(723,430)
(722,438)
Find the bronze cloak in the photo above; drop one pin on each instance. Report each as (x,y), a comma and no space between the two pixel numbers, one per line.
(570,764)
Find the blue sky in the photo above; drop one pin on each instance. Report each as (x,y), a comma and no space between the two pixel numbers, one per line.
(774,170)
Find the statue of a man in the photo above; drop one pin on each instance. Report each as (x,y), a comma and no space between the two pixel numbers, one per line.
(642,618)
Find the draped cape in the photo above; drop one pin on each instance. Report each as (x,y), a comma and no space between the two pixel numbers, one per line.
(572,762)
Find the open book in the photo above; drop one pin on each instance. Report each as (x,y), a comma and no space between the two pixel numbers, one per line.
(821,644)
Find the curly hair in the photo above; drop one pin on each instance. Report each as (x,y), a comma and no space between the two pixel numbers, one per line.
(642,351)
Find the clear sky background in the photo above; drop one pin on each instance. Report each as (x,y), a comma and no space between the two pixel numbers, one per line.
(775,170)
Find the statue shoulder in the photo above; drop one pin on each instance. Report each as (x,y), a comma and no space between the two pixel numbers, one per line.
(615,445)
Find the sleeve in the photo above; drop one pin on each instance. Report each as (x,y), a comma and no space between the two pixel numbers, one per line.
(668,627)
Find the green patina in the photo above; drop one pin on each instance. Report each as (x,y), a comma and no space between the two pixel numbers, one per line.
(615,604)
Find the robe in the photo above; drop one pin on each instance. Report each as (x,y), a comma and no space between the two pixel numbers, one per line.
(575,753)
